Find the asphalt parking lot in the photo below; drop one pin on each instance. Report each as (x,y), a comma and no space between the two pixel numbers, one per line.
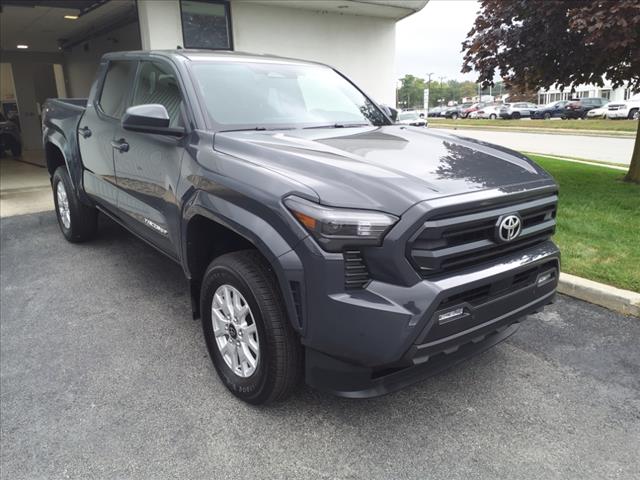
(103,374)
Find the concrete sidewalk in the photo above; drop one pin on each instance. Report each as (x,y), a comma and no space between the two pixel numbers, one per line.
(602,149)
(24,188)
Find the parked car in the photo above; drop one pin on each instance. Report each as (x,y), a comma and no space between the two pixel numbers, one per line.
(579,108)
(436,111)
(464,113)
(550,110)
(517,110)
(455,111)
(627,109)
(599,112)
(489,111)
(318,238)
(411,118)
(9,137)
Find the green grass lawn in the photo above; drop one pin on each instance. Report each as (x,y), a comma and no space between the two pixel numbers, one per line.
(598,223)
(603,125)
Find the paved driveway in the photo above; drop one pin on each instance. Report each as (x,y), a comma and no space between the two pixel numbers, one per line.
(104,375)
(602,149)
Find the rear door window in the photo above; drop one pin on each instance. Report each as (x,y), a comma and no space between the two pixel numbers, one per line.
(116,87)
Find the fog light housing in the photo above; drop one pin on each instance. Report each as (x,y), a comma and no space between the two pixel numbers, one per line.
(545,277)
(450,315)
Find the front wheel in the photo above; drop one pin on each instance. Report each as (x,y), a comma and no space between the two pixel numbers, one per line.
(492,116)
(254,349)
(634,114)
(454,116)
(78,222)
(516,115)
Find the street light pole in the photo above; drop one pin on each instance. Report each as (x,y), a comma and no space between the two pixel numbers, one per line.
(426,113)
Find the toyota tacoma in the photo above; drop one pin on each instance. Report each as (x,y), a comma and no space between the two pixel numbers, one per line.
(320,240)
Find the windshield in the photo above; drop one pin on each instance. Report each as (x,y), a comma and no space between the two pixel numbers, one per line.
(249,95)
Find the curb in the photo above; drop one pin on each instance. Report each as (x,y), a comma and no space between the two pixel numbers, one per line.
(557,131)
(622,301)
(594,163)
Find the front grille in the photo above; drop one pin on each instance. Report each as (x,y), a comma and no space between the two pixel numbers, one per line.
(356,274)
(452,242)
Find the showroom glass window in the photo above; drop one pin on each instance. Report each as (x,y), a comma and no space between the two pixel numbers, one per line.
(206,24)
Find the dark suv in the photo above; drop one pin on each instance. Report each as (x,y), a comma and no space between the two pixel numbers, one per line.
(579,108)
(318,238)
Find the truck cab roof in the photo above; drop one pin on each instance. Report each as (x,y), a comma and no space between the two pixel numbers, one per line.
(206,56)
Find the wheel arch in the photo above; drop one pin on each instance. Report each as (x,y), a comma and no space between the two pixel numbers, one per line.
(207,233)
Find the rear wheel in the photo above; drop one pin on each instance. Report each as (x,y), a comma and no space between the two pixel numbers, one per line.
(78,222)
(547,116)
(454,116)
(254,349)
(634,114)
(516,115)
(492,116)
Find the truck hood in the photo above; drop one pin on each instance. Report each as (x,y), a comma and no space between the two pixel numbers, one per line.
(386,168)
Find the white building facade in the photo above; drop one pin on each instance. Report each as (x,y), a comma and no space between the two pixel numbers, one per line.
(606,91)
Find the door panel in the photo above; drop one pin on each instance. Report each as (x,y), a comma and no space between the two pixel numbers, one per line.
(96,130)
(147,174)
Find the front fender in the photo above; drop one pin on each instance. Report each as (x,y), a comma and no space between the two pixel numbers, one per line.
(277,250)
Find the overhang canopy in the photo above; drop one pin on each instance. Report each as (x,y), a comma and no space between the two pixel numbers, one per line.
(395,9)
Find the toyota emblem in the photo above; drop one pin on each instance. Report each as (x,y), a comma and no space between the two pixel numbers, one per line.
(508,227)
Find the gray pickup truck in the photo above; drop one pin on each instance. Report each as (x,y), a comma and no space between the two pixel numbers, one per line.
(319,239)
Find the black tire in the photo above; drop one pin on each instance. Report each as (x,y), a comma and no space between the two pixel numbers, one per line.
(279,363)
(633,114)
(16,149)
(492,116)
(516,115)
(454,116)
(83,218)
(547,115)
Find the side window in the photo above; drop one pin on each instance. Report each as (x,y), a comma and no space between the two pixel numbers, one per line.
(157,83)
(116,88)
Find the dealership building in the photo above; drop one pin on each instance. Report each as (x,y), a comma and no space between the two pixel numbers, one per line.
(52,48)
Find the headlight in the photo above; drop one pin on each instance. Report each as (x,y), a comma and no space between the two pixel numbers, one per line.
(336,228)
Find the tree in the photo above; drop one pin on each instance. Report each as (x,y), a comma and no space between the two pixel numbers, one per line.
(534,45)
(411,92)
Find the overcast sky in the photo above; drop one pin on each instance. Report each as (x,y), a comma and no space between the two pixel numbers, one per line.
(430,40)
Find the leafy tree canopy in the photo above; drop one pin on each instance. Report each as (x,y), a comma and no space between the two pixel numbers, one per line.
(534,44)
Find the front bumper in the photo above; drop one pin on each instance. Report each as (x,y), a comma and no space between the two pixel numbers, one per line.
(617,113)
(390,336)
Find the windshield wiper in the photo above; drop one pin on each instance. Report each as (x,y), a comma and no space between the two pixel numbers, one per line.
(338,125)
(256,129)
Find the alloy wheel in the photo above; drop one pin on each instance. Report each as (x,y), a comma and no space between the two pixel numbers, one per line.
(63,205)
(235,331)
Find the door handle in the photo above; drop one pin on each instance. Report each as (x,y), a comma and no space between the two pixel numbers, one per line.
(121,145)
(85,132)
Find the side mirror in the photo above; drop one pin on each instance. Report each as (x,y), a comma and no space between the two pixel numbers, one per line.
(392,113)
(150,118)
